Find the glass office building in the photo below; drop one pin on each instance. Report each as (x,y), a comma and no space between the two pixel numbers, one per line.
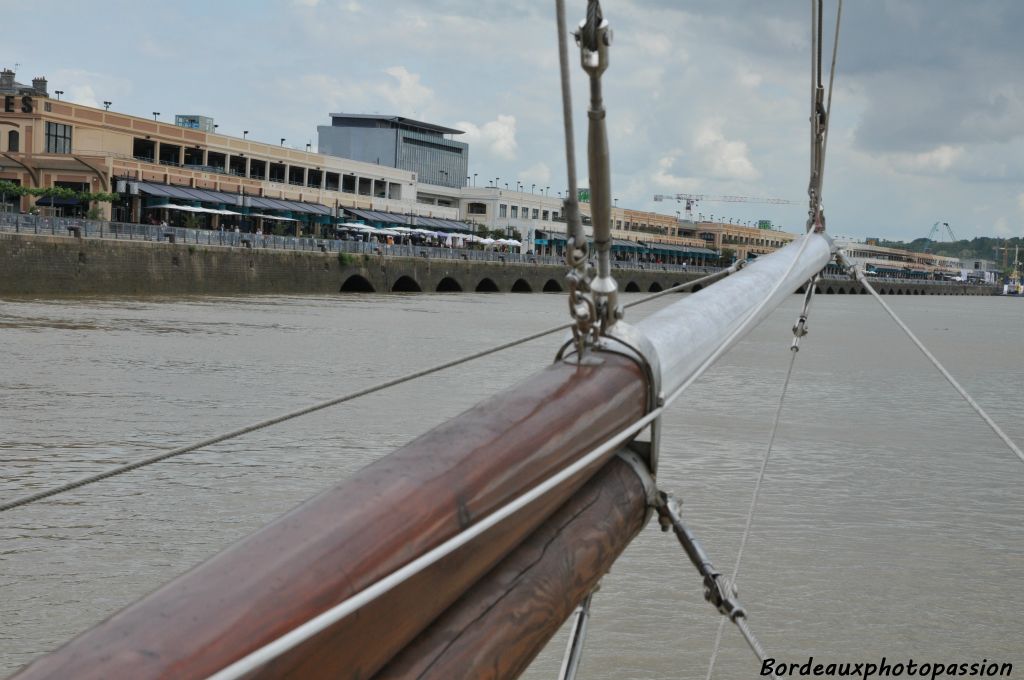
(423,148)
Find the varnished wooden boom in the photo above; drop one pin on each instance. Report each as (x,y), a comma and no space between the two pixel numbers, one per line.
(361,530)
(499,625)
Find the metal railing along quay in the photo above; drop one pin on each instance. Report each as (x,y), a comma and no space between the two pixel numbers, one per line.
(70,226)
(77,227)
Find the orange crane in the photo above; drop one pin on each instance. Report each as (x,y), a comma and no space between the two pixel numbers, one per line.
(691,200)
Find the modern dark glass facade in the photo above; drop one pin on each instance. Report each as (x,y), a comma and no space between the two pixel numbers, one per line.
(399,142)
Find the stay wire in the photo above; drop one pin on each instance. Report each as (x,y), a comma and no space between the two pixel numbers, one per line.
(831,81)
(751,512)
(253,427)
(935,362)
(572,210)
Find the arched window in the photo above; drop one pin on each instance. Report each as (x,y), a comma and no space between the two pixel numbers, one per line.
(13,141)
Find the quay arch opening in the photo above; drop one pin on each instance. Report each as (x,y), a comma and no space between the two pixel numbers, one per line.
(655,288)
(521,286)
(406,284)
(486,286)
(357,284)
(448,285)
(631,287)
(552,286)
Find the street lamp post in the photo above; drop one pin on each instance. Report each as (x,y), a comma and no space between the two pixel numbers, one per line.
(474,179)
(106,105)
(532,187)
(245,133)
(156,114)
(58,93)
(282,141)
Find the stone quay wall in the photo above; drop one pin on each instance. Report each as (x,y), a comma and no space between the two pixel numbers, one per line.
(66,266)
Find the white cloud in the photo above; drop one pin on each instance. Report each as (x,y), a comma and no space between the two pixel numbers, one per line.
(749,79)
(663,178)
(88,88)
(539,174)
(723,158)
(1002,227)
(496,137)
(84,95)
(1020,200)
(404,95)
(934,162)
(407,95)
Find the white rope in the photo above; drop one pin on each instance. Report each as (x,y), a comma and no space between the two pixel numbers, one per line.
(750,519)
(942,369)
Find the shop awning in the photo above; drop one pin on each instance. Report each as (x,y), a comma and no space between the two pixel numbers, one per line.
(222,197)
(408,220)
(273,217)
(51,201)
(188,193)
(191,209)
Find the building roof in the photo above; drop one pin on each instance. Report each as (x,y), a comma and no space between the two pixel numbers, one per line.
(401,120)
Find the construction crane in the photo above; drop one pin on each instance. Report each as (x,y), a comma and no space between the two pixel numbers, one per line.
(936,230)
(691,200)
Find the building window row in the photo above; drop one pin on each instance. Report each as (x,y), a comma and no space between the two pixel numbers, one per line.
(58,138)
(239,165)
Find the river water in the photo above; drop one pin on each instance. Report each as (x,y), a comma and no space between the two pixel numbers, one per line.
(889,522)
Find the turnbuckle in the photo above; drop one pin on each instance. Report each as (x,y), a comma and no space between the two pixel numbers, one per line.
(800,327)
(721,595)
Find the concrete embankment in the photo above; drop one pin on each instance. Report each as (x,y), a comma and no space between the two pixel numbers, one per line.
(58,266)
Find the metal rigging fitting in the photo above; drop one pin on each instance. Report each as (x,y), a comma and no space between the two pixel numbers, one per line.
(577,254)
(716,591)
(594,38)
(800,327)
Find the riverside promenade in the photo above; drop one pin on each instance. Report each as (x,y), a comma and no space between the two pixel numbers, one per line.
(42,256)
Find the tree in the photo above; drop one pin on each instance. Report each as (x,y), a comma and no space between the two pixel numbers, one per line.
(8,188)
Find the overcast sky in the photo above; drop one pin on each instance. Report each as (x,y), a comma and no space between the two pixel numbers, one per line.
(707,96)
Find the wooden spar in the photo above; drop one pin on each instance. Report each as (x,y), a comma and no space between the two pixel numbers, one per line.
(503,622)
(363,529)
